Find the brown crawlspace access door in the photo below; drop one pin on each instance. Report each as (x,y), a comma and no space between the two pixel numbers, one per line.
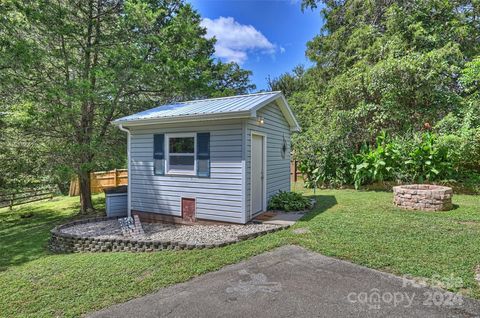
(188,209)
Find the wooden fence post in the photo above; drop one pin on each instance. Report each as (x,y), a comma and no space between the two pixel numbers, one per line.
(93,183)
(295,170)
(115,177)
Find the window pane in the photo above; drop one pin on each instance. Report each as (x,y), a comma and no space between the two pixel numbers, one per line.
(182,145)
(186,163)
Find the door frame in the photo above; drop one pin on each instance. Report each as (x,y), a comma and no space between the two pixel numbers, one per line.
(264,203)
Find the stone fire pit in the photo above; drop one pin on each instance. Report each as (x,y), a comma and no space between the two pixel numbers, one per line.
(426,197)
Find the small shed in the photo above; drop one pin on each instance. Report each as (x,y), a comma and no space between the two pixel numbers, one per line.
(217,159)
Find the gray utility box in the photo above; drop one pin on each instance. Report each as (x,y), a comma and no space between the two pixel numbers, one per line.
(116,201)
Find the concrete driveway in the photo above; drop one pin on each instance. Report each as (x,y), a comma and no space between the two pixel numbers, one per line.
(293,282)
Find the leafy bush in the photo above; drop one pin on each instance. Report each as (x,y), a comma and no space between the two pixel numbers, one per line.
(417,159)
(375,163)
(289,201)
(451,156)
(429,160)
(323,159)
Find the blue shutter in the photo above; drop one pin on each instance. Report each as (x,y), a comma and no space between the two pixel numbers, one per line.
(159,146)
(159,154)
(203,154)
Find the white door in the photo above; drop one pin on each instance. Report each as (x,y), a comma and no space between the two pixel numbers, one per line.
(258,174)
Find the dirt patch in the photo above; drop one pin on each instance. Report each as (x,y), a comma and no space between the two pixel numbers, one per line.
(471,223)
(301,230)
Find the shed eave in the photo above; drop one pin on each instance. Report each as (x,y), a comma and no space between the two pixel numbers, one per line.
(183,118)
(284,107)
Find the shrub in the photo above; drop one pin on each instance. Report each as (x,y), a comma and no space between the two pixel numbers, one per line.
(428,159)
(289,201)
(323,160)
(419,158)
(449,154)
(375,163)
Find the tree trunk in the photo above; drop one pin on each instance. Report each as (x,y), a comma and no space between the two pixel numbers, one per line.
(86,205)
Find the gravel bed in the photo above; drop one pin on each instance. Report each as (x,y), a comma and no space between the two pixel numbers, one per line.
(193,234)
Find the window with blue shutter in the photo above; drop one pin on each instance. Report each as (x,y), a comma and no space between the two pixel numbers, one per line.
(159,154)
(203,154)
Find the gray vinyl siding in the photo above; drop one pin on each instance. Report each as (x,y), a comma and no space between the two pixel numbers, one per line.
(275,128)
(219,197)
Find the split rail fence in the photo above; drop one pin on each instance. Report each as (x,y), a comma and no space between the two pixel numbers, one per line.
(25,196)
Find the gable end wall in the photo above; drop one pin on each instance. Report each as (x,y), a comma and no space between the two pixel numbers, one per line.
(275,127)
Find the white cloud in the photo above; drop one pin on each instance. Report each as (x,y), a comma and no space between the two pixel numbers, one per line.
(235,40)
(282,49)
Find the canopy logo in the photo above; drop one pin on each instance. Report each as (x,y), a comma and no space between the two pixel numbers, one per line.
(407,295)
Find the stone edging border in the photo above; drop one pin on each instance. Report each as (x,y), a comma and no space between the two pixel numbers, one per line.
(71,243)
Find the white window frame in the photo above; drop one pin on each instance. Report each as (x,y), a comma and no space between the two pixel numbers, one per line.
(167,153)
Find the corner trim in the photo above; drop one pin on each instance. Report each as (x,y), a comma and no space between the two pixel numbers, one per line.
(244,172)
(129,171)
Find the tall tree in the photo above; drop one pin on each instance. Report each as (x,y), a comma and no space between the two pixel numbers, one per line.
(289,83)
(230,79)
(381,65)
(393,64)
(71,66)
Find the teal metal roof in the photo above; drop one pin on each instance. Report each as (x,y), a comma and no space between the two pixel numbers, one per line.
(213,106)
(241,106)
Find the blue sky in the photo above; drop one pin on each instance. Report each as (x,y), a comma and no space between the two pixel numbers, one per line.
(267,37)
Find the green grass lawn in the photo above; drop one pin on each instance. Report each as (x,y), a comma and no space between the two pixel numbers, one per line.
(362,227)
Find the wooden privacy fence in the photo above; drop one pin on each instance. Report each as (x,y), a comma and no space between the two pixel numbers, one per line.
(101,180)
(25,196)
